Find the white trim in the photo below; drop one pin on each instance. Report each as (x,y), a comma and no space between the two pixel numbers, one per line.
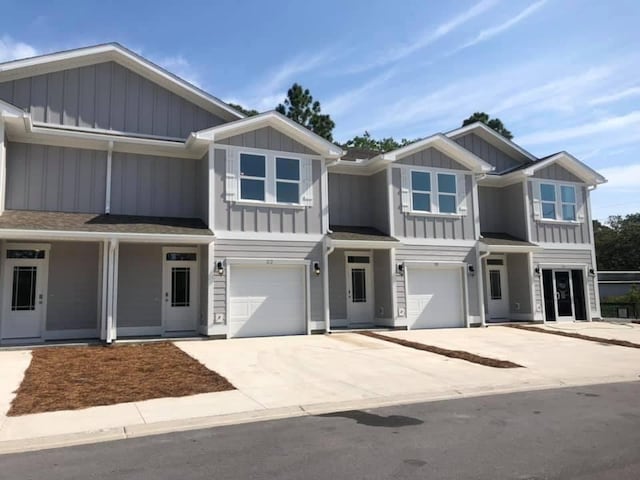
(211,191)
(324,197)
(266,236)
(594,265)
(211,327)
(564,246)
(115,52)
(259,203)
(307,294)
(125,237)
(572,164)
(390,206)
(116,284)
(71,334)
(437,242)
(368,244)
(265,151)
(326,251)
(527,207)
(104,298)
(194,290)
(279,122)
(107,198)
(476,207)
(504,283)
(507,248)
(3,168)
(266,261)
(369,279)
(488,132)
(392,282)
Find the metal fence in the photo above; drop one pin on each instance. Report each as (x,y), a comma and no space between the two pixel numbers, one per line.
(620,310)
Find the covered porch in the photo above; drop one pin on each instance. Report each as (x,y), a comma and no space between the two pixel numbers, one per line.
(361,278)
(71,276)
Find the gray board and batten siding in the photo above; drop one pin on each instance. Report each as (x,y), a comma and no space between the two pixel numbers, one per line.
(106,96)
(487,152)
(502,210)
(430,226)
(243,217)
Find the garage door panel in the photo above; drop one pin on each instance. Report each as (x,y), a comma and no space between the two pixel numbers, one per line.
(435,298)
(267,300)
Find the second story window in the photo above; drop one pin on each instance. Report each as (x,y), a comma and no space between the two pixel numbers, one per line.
(421,191)
(558,202)
(447,193)
(287,180)
(252,176)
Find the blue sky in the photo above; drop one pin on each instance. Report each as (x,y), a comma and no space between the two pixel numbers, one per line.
(562,75)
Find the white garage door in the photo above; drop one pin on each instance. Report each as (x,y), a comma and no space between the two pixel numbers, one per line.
(435,297)
(267,300)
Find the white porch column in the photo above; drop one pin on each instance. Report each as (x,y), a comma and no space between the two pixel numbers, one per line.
(3,167)
(112,291)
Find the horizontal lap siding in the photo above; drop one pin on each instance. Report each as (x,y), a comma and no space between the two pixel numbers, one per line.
(487,152)
(249,218)
(549,232)
(424,253)
(154,186)
(107,96)
(568,258)
(310,251)
(72,297)
(434,227)
(55,178)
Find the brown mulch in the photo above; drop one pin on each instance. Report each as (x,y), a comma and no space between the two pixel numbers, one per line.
(70,378)
(607,341)
(458,354)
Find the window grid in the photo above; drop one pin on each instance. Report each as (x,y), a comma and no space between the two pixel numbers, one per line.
(442,199)
(247,180)
(286,185)
(447,193)
(558,202)
(568,202)
(420,195)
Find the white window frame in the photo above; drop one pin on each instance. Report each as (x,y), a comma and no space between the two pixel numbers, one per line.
(270,180)
(558,203)
(435,192)
(284,180)
(250,177)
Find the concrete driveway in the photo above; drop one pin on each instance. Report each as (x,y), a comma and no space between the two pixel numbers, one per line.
(284,371)
(612,330)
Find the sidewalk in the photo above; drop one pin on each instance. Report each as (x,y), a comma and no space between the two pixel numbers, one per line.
(307,375)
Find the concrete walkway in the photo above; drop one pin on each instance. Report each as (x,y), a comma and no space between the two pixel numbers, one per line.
(611,330)
(304,375)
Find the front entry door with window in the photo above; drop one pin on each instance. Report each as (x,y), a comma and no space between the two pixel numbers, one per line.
(25,282)
(359,289)
(180,290)
(564,294)
(498,295)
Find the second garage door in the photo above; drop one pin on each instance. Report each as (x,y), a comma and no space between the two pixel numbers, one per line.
(267,300)
(435,297)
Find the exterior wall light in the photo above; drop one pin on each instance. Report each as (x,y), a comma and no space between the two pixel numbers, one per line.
(220,268)
(471,269)
(592,272)
(400,268)
(537,271)
(316,268)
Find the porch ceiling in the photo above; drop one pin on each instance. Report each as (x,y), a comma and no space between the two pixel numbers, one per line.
(100,223)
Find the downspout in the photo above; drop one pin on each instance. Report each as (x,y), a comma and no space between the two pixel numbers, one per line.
(111,291)
(327,250)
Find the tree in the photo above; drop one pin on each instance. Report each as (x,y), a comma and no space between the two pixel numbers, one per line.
(382,145)
(241,109)
(617,243)
(494,123)
(300,107)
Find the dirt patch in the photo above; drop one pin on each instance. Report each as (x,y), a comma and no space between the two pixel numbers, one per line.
(70,378)
(458,354)
(603,341)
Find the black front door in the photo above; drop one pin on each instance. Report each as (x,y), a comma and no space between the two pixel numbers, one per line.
(549,295)
(564,300)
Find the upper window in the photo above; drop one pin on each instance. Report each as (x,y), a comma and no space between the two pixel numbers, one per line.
(421,191)
(253,175)
(426,198)
(287,180)
(558,202)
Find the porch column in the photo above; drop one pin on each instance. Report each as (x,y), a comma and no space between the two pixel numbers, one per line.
(210,328)
(111,290)
(3,167)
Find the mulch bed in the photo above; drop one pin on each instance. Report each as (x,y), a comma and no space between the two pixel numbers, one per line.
(458,354)
(70,378)
(607,341)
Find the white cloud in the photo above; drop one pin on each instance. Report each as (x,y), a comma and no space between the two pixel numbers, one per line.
(287,71)
(622,125)
(614,97)
(622,177)
(342,103)
(498,29)
(427,38)
(180,66)
(11,49)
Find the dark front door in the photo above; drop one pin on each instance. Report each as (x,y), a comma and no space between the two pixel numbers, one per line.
(564,300)
(579,300)
(549,295)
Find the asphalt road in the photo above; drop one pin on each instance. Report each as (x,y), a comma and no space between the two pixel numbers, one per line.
(585,433)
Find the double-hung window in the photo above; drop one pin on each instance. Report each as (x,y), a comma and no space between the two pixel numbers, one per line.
(253,176)
(287,180)
(447,193)
(421,191)
(558,202)
(441,196)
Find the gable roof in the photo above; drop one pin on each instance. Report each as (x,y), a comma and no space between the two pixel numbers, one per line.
(494,138)
(115,52)
(279,122)
(571,163)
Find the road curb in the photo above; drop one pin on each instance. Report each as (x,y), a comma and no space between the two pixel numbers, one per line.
(199,423)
